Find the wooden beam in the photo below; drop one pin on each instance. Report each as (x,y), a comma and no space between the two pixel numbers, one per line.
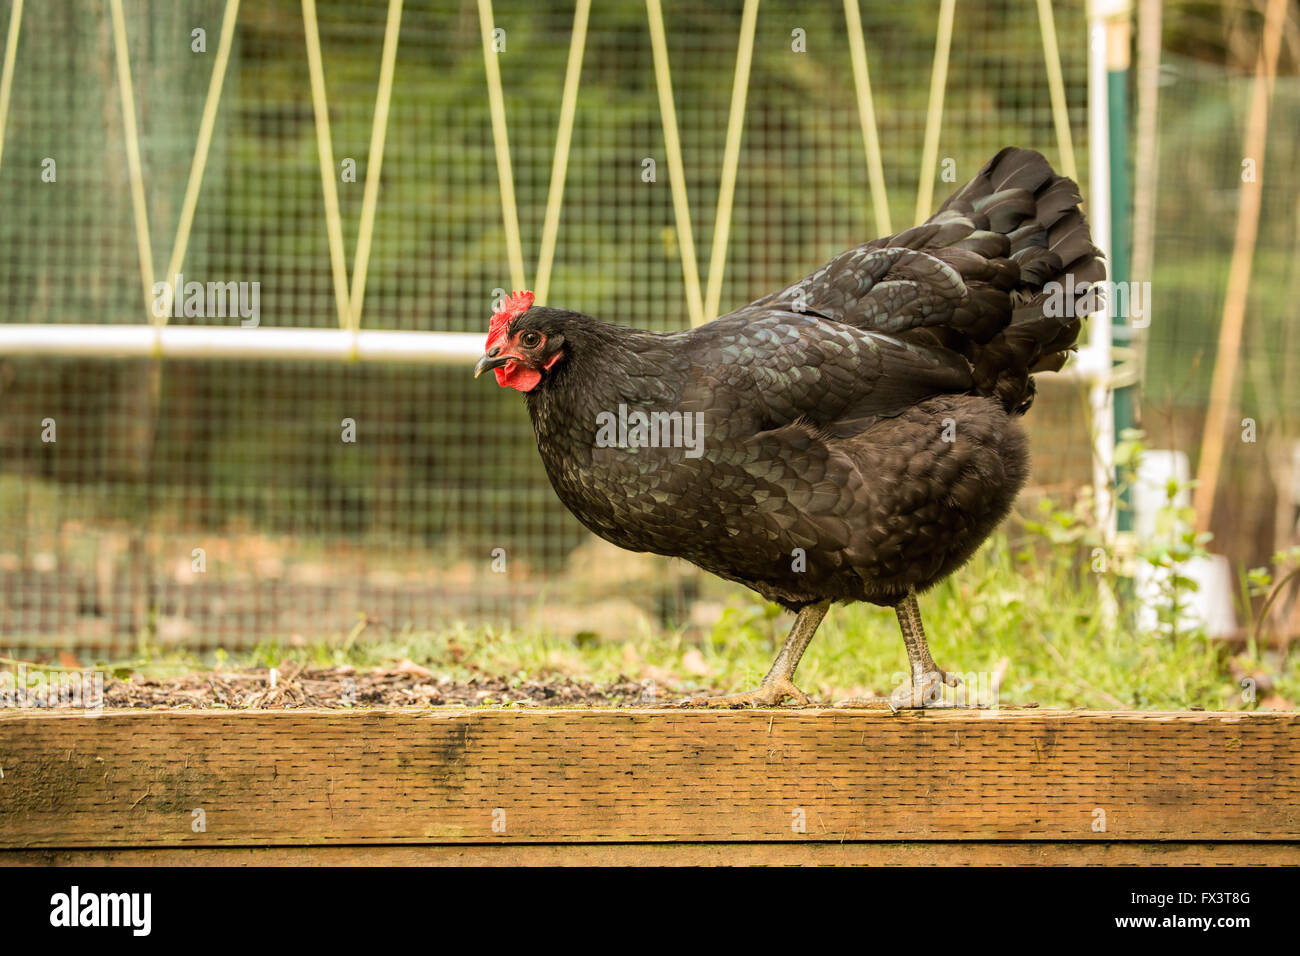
(939,853)
(461,776)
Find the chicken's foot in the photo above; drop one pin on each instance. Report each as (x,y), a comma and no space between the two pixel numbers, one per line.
(779,682)
(927,680)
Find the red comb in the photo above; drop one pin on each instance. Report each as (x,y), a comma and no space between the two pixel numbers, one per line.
(515,305)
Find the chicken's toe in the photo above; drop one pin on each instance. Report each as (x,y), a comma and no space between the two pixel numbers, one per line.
(925,691)
(768,694)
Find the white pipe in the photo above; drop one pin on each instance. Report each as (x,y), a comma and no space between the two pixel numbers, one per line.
(224,342)
(280,344)
(1101,399)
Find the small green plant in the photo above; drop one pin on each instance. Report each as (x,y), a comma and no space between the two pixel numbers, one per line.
(1260,582)
(1175,542)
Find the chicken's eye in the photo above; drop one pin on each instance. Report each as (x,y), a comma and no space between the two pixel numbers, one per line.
(530,340)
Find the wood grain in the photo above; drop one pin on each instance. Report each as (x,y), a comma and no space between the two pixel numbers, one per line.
(944,853)
(382,778)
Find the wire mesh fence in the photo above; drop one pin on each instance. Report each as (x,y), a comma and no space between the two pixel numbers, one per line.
(223,503)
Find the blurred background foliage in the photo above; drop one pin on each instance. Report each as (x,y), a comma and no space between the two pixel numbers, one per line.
(306,535)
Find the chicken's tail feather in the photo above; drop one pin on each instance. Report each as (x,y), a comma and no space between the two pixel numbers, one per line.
(1002,275)
(1022,202)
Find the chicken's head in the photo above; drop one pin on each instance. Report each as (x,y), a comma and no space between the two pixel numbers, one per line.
(518,353)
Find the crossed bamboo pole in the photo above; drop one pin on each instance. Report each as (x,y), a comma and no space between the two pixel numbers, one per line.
(350,291)
(350,296)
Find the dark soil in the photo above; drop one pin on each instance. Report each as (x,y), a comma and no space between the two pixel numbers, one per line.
(347,687)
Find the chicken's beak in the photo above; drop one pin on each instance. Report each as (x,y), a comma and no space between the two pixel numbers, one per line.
(489,362)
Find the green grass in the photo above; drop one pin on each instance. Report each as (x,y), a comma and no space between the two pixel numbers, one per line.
(1041,606)
(1035,608)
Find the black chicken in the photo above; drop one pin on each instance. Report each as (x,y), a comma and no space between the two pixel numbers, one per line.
(852,437)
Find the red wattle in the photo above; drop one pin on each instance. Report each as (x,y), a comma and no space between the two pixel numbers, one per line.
(516,376)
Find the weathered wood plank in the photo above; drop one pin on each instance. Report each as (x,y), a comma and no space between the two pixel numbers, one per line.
(1001,853)
(287,778)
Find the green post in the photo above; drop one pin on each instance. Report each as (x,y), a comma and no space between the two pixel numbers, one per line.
(1118,58)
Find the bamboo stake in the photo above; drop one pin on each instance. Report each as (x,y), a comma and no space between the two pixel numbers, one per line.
(501,141)
(201,148)
(375,160)
(1056,89)
(324,145)
(731,158)
(867,118)
(140,208)
(560,162)
(7,77)
(934,114)
(676,171)
(1243,255)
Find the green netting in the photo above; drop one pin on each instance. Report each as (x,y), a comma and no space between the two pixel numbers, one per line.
(304,534)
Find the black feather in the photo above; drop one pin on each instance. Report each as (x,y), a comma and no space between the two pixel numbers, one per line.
(863,417)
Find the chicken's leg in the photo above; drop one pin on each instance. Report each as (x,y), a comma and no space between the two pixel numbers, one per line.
(927,678)
(779,682)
